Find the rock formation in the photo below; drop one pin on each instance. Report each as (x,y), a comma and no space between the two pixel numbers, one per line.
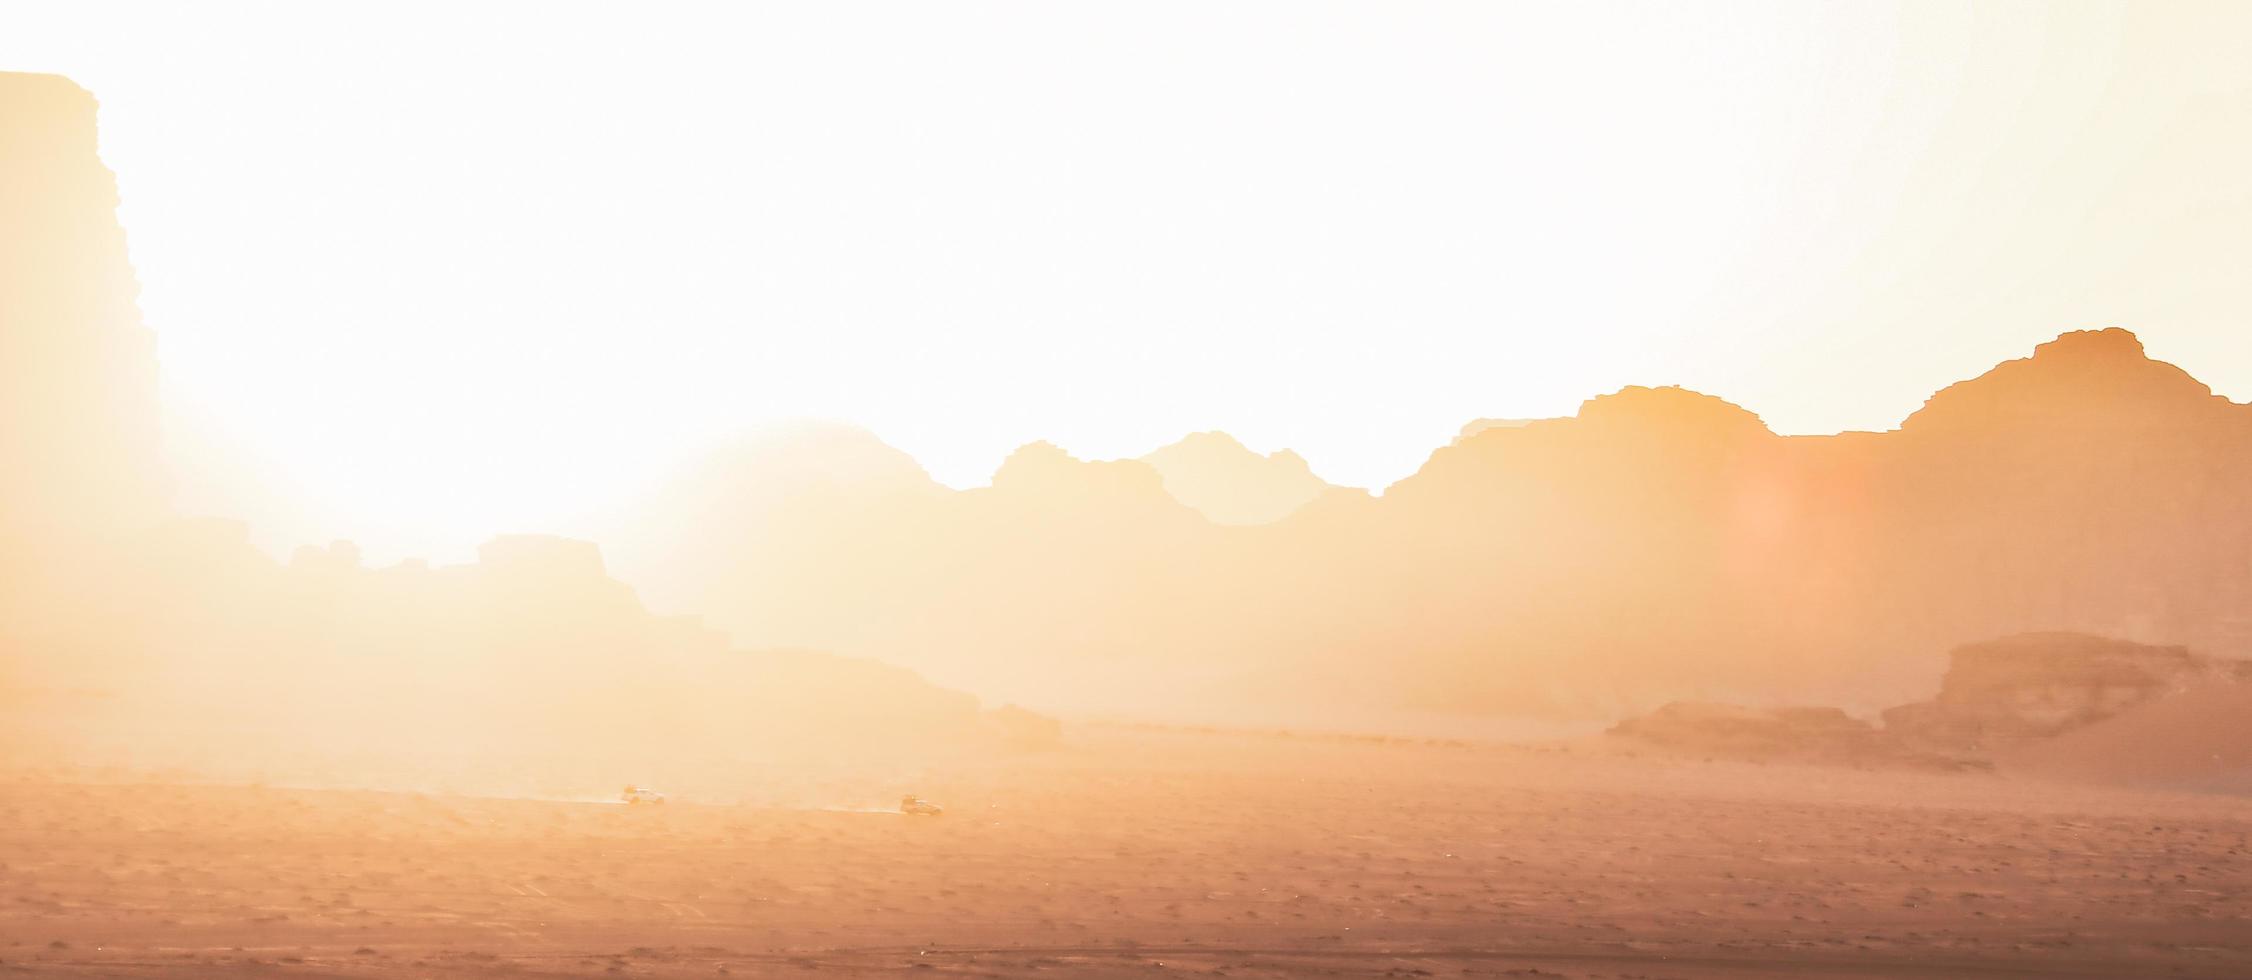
(1659,545)
(1229,484)
(1475,426)
(2063,705)
(2037,685)
(80,463)
(79,432)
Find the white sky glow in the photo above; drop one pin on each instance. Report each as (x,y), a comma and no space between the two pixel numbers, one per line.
(449,270)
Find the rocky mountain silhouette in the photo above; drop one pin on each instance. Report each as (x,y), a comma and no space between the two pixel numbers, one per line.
(1659,544)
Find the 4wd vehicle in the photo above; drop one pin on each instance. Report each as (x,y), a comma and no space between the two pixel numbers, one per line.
(916,806)
(638,796)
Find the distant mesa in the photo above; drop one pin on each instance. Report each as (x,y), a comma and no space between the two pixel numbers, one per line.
(2082,379)
(1230,484)
(1665,411)
(816,455)
(1045,485)
(1044,467)
(1475,426)
(1671,412)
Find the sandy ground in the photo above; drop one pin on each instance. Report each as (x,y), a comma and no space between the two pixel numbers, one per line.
(1148,853)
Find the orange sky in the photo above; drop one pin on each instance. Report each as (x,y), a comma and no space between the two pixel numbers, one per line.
(450,273)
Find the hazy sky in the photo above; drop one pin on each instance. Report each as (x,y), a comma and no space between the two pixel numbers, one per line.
(467,268)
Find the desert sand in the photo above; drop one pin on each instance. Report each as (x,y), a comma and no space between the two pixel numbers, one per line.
(1145,852)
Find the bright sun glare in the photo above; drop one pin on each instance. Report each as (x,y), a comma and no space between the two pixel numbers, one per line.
(699,489)
(445,274)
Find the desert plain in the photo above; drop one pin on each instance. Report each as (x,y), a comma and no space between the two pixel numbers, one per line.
(1142,851)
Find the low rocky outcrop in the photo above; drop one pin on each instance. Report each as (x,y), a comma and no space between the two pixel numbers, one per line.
(2000,699)
(2036,685)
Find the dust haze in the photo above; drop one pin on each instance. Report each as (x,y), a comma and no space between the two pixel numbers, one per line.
(1643,690)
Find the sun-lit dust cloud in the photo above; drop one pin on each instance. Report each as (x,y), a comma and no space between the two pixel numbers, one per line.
(139,639)
(1636,685)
